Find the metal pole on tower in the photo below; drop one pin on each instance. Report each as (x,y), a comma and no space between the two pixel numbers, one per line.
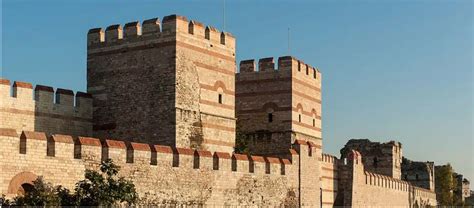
(223,14)
(289,41)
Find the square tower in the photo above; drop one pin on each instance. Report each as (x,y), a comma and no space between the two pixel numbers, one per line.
(169,83)
(276,106)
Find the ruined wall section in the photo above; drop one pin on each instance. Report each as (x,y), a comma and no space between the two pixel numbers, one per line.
(419,174)
(164,175)
(329,179)
(270,103)
(44,109)
(369,189)
(207,57)
(381,158)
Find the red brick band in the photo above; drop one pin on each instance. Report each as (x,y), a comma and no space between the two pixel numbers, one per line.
(89,141)
(216,104)
(33,135)
(213,68)
(62,138)
(8,132)
(222,155)
(22,85)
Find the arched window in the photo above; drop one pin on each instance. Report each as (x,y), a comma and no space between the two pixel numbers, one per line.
(375,162)
(191,28)
(270,117)
(220,98)
(299,118)
(207,33)
(222,38)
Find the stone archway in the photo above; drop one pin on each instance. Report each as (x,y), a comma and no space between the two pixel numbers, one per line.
(21,183)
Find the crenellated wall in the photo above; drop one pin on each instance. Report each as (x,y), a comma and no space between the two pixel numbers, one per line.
(169,82)
(43,109)
(361,188)
(163,174)
(277,104)
(329,179)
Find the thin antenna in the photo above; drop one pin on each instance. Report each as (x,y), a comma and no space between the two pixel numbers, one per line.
(289,41)
(223,14)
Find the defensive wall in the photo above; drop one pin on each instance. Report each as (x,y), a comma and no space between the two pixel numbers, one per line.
(169,82)
(361,188)
(420,174)
(277,104)
(43,109)
(329,179)
(169,93)
(382,158)
(163,174)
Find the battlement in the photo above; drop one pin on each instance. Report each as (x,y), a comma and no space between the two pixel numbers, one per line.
(285,63)
(327,158)
(45,94)
(386,181)
(41,108)
(72,147)
(134,32)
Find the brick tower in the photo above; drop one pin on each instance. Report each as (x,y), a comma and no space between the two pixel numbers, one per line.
(169,83)
(277,106)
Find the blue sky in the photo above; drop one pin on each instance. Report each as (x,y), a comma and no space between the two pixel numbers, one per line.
(392,70)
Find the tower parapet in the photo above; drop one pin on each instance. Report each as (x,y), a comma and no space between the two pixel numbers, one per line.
(169,82)
(278,103)
(43,109)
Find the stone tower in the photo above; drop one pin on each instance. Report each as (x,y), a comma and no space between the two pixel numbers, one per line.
(169,83)
(381,158)
(276,106)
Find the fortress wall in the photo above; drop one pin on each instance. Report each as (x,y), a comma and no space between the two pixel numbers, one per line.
(262,92)
(207,56)
(162,174)
(174,71)
(43,109)
(131,75)
(376,190)
(329,179)
(306,102)
(283,92)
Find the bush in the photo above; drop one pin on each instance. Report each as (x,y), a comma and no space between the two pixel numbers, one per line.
(103,189)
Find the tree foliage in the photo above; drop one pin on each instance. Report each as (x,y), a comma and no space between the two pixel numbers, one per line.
(445,185)
(102,188)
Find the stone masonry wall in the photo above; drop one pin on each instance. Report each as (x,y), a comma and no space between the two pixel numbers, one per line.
(276,106)
(368,189)
(170,83)
(162,174)
(131,75)
(381,158)
(329,179)
(41,109)
(206,57)
(420,174)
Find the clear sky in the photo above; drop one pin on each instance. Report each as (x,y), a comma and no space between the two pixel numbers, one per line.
(392,70)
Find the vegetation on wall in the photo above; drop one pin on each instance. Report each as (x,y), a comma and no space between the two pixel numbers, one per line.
(102,188)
